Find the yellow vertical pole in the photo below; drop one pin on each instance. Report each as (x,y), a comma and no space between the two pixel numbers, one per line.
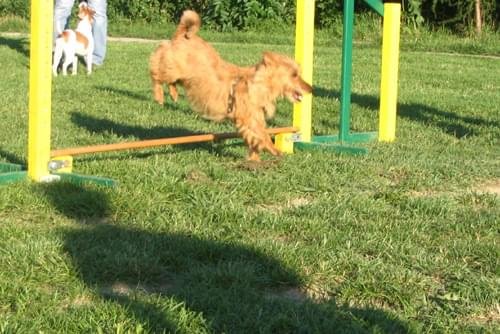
(40,76)
(389,76)
(304,43)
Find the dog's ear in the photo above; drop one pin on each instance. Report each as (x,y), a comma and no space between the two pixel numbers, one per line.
(268,58)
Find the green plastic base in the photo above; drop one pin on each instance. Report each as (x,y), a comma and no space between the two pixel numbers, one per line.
(80,179)
(335,144)
(6,167)
(13,177)
(13,173)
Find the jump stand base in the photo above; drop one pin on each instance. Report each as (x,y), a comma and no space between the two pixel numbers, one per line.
(82,179)
(11,173)
(336,144)
(16,173)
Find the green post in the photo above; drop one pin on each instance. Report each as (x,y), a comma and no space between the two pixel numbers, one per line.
(345,93)
(376,5)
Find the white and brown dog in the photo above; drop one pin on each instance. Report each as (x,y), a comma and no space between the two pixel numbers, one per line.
(76,42)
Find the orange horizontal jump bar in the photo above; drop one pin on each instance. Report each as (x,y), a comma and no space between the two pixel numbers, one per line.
(158,142)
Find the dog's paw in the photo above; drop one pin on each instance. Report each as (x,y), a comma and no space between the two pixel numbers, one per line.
(253,156)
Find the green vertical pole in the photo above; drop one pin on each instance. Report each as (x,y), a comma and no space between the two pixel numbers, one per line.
(345,93)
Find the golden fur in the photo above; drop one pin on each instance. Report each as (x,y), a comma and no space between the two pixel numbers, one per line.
(219,90)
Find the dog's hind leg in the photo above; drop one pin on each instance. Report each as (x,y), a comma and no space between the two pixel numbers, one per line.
(88,60)
(68,59)
(172,89)
(75,64)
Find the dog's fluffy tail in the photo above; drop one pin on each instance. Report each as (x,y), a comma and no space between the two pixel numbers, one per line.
(189,25)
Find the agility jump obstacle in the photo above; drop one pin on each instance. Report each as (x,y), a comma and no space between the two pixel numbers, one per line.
(47,165)
(391,12)
(158,142)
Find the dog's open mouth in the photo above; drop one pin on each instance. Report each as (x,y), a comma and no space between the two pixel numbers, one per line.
(297,96)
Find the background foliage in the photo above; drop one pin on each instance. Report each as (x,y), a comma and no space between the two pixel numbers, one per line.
(242,14)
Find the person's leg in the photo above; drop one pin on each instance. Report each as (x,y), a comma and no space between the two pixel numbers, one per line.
(62,11)
(99,30)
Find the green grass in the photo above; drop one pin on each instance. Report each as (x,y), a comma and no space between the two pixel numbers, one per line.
(403,239)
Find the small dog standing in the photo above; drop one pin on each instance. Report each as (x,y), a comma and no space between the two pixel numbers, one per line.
(76,42)
(219,90)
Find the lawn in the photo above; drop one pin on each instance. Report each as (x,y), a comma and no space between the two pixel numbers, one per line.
(195,240)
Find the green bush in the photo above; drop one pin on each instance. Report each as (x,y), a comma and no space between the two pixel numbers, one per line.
(244,14)
(240,14)
(219,14)
(460,14)
(14,7)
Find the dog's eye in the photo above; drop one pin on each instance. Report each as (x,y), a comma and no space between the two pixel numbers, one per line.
(295,74)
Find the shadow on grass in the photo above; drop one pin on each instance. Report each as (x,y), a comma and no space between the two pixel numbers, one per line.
(173,282)
(102,125)
(169,103)
(84,203)
(225,286)
(20,45)
(12,158)
(125,93)
(449,122)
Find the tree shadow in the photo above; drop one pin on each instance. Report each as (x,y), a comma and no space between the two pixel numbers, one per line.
(20,45)
(234,287)
(449,122)
(102,125)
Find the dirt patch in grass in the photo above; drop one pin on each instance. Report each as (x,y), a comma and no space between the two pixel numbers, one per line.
(290,204)
(313,293)
(197,176)
(82,300)
(426,193)
(491,316)
(76,302)
(125,289)
(292,294)
(491,187)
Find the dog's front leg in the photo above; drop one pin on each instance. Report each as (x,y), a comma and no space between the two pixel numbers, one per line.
(75,64)
(253,155)
(269,146)
(252,129)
